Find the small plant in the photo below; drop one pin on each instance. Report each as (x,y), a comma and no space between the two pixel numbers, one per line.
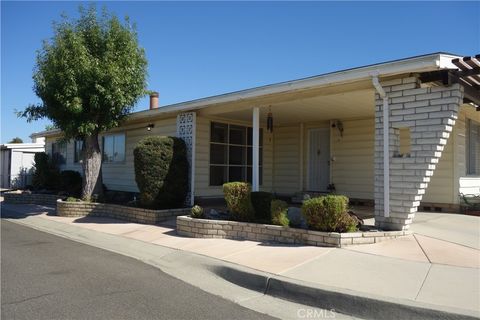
(237,196)
(329,214)
(71,199)
(279,215)
(261,204)
(197,212)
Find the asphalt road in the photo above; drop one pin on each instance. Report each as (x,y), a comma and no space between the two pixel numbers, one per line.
(48,277)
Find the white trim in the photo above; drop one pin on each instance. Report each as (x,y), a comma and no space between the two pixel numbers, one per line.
(192,165)
(255,148)
(302,133)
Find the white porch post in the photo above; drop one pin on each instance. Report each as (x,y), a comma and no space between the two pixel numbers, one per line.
(255,149)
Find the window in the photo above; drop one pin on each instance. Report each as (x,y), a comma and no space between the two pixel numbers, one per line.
(473,148)
(231,153)
(114,148)
(59,152)
(77,157)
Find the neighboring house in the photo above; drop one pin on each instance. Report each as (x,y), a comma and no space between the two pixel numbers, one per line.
(327,129)
(17,161)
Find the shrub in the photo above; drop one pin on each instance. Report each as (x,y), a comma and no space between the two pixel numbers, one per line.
(237,196)
(71,199)
(329,214)
(47,174)
(71,182)
(261,205)
(197,212)
(279,215)
(161,172)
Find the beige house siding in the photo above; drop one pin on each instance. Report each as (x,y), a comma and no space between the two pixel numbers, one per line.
(352,170)
(445,184)
(121,176)
(202,158)
(286,158)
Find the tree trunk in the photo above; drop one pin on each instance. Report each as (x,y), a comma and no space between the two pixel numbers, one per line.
(92,164)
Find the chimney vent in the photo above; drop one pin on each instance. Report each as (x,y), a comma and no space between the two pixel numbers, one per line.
(154,100)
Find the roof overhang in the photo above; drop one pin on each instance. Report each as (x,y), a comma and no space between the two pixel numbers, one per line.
(414,65)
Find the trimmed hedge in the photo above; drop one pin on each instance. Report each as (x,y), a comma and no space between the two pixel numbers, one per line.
(71,182)
(47,174)
(279,215)
(161,172)
(237,196)
(329,214)
(197,212)
(261,204)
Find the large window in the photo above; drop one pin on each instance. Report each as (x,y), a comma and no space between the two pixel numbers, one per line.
(59,152)
(231,153)
(114,148)
(473,148)
(78,151)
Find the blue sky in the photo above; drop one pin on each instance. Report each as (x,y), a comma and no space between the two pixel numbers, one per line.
(199,49)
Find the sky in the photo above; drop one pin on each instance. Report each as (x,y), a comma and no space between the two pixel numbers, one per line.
(200,49)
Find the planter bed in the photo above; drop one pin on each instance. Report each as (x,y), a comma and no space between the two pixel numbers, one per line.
(132,214)
(223,229)
(15,197)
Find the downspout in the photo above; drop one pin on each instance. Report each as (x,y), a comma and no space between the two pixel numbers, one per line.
(386,146)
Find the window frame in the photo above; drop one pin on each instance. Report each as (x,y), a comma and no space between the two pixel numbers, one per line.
(56,147)
(77,157)
(113,135)
(246,146)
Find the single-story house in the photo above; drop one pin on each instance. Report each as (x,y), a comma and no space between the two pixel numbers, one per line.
(324,133)
(17,161)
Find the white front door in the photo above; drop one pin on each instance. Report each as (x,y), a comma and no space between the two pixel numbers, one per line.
(319,159)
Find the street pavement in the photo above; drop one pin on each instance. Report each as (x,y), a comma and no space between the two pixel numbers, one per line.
(427,267)
(48,277)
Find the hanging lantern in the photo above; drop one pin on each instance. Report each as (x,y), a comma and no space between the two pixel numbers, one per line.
(270,121)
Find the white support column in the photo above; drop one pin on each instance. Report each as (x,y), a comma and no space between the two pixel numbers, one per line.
(255,149)
(386,158)
(302,132)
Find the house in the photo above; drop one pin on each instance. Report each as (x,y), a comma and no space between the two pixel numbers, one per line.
(327,132)
(17,160)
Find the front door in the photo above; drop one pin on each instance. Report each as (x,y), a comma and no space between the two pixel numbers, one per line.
(319,159)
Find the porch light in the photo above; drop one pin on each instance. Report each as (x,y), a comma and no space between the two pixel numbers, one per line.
(270,120)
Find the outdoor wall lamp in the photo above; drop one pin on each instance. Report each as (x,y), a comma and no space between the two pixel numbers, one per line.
(339,125)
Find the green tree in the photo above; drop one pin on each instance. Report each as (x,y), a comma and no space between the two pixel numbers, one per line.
(89,77)
(16,140)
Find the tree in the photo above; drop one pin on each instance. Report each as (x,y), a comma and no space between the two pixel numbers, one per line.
(88,77)
(16,140)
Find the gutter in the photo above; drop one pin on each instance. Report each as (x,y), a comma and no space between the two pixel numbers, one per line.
(386,145)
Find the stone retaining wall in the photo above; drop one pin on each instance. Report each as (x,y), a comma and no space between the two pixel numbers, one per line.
(139,215)
(30,198)
(204,228)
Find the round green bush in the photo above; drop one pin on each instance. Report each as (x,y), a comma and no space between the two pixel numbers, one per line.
(261,204)
(71,182)
(329,214)
(279,215)
(237,197)
(161,172)
(197,212)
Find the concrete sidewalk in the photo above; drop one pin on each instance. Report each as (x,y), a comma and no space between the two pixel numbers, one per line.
(436,265)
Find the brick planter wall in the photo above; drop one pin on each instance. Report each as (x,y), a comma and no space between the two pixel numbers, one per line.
(204,228)
(30,198)
(139,215)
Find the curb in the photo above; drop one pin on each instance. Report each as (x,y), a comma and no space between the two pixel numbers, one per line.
(346,302)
